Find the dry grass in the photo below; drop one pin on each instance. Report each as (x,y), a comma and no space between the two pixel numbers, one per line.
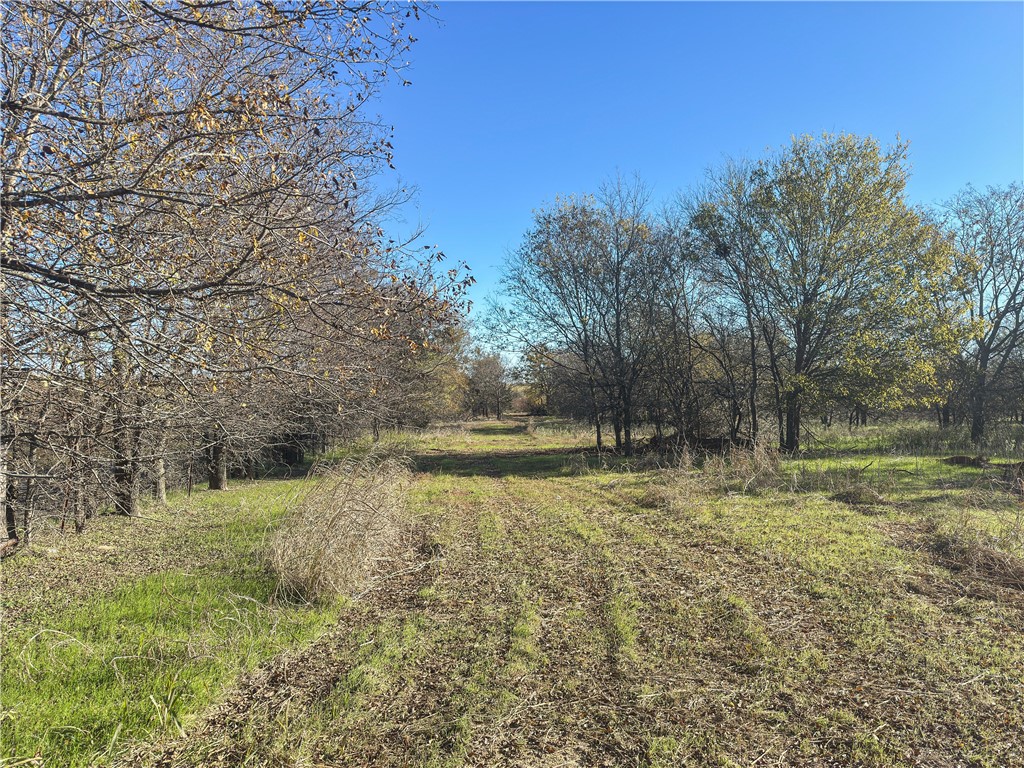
(993,552)
(335,538)
(594,611)
(744,469)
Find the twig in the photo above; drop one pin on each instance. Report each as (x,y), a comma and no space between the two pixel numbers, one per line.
(381,579)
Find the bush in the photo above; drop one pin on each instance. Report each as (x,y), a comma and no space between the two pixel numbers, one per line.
(336,537)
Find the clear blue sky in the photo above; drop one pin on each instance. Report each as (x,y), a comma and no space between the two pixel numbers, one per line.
(515,103)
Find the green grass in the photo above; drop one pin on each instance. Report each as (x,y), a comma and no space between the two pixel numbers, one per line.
(140,655)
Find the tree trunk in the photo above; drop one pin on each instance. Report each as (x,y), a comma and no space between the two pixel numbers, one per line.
(11,520)
(8,492)
(160,480)
(626,396)
(79,506)
(6,496)
(978,409)
(126,488)
(596,410)
(736,422)
(978,422)
(160,468)
(126,470)
(26,508)
(791,444)
(218,466)
(753,379)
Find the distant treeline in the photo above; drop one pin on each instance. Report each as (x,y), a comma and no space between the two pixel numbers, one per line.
(799,286)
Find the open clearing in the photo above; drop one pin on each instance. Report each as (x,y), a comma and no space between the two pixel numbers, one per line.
(557,609)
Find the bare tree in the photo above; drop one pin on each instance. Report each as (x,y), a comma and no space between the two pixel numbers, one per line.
(488,385)
(554,304)
(723,217)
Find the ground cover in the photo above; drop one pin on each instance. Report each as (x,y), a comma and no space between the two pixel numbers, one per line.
(128,630)
(555,607)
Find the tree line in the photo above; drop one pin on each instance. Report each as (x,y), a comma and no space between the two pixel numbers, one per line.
(195,277)
(792,287)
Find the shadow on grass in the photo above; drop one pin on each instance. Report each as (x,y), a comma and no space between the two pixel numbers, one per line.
(504,428)
(527,463)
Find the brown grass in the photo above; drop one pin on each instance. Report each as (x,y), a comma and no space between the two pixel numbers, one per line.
(336,537)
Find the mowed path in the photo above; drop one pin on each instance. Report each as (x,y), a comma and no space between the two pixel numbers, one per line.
(551,615)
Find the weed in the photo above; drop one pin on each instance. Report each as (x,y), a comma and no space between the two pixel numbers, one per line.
(167,703)
(524,652)
(663,752)
(623,623)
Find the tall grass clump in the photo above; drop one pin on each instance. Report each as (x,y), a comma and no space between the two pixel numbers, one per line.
(349,522)
(757,467)
(740,470)
(1003,439)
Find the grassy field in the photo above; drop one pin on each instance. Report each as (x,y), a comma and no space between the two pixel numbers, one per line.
(128,630)
(554,607)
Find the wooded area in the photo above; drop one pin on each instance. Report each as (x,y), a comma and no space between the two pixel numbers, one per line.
(197,280)
(195,274)
(799,286)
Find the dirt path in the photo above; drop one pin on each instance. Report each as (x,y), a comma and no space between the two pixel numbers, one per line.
(550,618)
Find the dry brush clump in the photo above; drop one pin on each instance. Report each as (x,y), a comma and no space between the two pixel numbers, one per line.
(984,538)
(349,523)
(986,555)
(709,475)
(757,467)
(738,470)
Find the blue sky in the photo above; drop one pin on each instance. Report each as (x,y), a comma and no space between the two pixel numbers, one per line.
(515,103)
